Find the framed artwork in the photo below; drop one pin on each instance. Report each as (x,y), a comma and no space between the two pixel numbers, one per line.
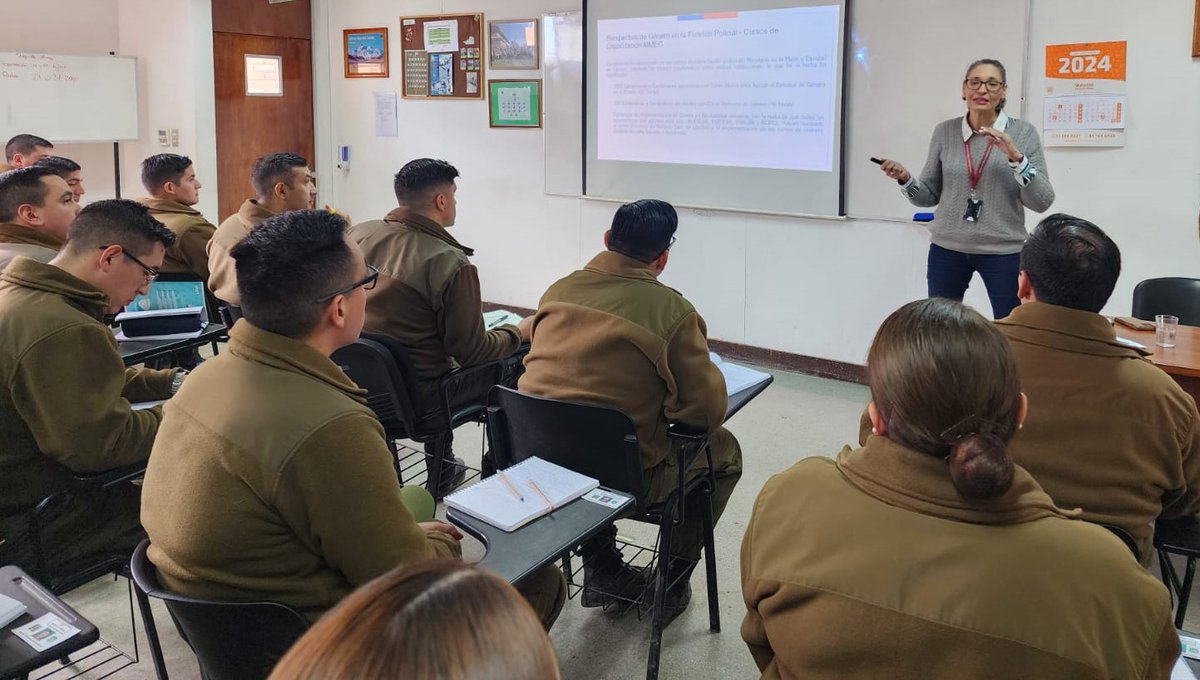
(1196,31)
(515,103)
(442,56)
(365,51)
(513,45)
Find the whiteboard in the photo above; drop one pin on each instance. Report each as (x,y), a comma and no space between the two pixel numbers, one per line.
(904,65)
(67,98)
(904,69)
(562,82)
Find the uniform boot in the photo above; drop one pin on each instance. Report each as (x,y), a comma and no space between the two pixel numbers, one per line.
(606,577)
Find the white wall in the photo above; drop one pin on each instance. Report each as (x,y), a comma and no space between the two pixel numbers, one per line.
(812,287)
(67,27)
(173,42)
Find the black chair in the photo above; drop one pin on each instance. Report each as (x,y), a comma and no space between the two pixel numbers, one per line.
(1124,536)
(60,579)
(381,365)
(231,640)
(1178,537)
(229,313)
(1173,295)
(602,443)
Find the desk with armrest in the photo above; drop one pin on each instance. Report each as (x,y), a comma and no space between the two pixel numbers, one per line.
(1181,362)
(139,351)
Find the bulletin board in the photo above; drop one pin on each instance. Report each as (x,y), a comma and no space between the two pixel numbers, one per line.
(442,56)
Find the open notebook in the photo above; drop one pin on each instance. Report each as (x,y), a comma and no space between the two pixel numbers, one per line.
(519,494)
(737,377)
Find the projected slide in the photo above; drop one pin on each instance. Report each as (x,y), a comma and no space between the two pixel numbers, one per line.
(753,89)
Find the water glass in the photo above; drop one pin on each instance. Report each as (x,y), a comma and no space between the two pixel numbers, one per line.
(1165,326)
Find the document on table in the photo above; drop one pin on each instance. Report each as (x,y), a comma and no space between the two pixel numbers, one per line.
(519,494)
(1181,671)
(737,377)
(499,317)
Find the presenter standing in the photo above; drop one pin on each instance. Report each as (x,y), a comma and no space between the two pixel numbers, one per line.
(983,170)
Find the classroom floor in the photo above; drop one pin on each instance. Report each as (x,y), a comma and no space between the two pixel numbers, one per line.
(797,417)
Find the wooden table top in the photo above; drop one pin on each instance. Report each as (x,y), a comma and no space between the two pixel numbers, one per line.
(1181,360)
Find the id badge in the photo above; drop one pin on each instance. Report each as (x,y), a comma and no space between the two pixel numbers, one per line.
(974,205)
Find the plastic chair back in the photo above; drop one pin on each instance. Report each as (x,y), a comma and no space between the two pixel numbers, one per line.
(1173,295)
(231,640)
(596,441)
(379,365)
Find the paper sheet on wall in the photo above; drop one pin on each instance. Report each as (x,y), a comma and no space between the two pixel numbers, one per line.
(441,36)
(385,115)
(514,103)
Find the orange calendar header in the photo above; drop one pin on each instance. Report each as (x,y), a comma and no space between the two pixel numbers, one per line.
(1091,61)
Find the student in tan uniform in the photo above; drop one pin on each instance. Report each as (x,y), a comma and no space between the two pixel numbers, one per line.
(928,553)
(24,150)
(69,170)
(428,294)
(271,478)
(282,182)
(174,190)
(611,334)
(36,210)
(65,401)
(1108,432)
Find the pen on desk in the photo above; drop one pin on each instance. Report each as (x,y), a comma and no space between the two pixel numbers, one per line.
(504,478)
(538,489)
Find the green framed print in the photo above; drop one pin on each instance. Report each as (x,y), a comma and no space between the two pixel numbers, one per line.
(515,103)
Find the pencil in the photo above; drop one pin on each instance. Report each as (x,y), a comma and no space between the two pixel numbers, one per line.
(538,489)
(509,484)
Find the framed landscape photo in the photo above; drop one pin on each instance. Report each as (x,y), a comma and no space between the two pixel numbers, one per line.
(365,51)
(513,45)
(515,103)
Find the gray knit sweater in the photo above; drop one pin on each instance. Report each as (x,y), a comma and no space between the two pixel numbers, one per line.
(1000,228)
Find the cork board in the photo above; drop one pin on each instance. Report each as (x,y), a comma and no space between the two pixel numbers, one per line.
(442,56)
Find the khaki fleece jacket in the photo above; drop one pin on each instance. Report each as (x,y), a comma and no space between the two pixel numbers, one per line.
(17,239)
(428,296)
(1107,431)
(611,334)
(874,567)
(192,232)
(222,275)
(64,401)
(271,480)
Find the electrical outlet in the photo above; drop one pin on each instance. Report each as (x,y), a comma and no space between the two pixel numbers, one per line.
(175,137)
(163,138)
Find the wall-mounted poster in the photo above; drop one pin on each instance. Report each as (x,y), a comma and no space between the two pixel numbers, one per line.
(442,56)
(365,52)
(515,103)
(513,45)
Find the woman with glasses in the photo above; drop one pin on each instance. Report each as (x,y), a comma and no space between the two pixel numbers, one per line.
(927,553)
(984,168)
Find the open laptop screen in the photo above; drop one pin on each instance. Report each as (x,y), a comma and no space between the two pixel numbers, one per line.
(169,295)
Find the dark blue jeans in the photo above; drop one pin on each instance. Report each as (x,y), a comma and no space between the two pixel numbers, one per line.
(949,273)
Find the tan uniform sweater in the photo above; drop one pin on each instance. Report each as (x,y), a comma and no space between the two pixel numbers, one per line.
(192,232)
(611,334)
(271,480)
(874,567)
(222,274)
(64,404)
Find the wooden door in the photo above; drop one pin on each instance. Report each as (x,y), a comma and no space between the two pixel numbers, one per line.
(249,126)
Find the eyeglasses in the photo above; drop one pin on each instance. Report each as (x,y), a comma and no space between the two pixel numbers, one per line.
(671,243)
(992,85)
(150,273)
(366,283)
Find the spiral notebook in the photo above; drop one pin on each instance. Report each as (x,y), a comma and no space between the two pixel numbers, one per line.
(517,495)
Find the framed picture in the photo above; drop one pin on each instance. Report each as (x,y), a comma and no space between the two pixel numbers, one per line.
(515,103)
(1196,31)
(365,52)
(513,45)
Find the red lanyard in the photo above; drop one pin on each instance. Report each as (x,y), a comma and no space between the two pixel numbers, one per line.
(972,176)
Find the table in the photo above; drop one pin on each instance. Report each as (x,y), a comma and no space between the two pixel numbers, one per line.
(139,351)
(739,399)
(516,554)
(1181,362)
(16,657)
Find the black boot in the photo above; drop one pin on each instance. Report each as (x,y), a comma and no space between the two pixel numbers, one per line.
(606,577)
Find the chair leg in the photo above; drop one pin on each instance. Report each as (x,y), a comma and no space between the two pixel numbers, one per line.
(710,565)
(660,591)
(1167,570)
(434,466)
(1185,592)
(391,444)
(156,654)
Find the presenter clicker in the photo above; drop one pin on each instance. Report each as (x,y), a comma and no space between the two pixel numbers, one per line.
(983,170)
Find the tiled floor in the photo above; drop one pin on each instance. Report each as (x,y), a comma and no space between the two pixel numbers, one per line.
(797,417)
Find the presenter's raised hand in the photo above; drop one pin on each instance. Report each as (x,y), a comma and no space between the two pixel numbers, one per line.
(896,171)
(1004,142)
